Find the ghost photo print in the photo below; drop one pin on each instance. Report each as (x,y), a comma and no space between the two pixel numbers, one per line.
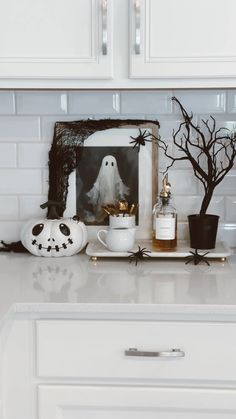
(105,176)
(100,163)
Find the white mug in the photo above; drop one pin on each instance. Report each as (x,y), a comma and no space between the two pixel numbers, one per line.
(117,239)
(122,222)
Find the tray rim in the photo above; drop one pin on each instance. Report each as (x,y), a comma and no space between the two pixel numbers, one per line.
(177,254)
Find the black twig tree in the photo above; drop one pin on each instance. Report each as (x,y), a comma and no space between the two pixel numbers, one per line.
(210,150)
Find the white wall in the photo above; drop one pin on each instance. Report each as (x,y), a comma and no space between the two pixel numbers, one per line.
(26,129)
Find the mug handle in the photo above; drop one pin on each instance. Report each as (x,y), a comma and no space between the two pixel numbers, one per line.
(99,238)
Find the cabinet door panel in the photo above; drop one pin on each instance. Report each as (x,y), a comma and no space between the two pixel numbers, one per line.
(53,38)
(75,402)
(182,38)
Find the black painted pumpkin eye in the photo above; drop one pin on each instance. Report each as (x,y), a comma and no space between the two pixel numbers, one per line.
(64,229)
(106,163)
(36,230)
(112,164)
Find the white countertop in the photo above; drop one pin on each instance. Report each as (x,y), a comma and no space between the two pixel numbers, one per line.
(31,284)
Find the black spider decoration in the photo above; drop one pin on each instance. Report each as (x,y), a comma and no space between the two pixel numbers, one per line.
(196,258)
(139,255)
(141,139)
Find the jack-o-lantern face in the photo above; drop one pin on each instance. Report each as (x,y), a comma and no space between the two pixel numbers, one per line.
(63,237)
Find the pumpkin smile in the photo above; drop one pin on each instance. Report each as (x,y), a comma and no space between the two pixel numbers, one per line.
(49,248)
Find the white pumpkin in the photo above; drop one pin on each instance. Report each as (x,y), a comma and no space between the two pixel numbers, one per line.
(54,238)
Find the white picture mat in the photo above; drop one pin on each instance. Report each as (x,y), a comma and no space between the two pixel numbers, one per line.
(120,137)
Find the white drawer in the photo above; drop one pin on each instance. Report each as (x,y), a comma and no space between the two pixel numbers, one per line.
(77,402)
(96,349)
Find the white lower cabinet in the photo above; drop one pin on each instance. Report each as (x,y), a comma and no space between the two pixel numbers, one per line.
(106,402)
(119,369)
(162,351)
(124,369)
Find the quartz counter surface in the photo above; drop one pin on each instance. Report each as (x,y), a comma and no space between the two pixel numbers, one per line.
(71,285)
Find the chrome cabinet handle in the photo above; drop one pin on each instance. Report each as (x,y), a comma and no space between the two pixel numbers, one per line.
(104,28)
(172,353)
(137,46)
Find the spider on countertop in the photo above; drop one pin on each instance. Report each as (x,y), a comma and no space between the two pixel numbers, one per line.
(139,255)
(196,258)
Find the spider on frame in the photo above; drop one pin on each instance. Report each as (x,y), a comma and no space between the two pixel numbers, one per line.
(141,139)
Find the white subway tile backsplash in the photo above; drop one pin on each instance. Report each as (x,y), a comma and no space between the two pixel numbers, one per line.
(20,181)
(19,128)
(26,133)
(217,206)
(94,102)
(227,233)
(10,230)
(8,207)
(228,185)
(45,184)
(230,209)
(29,206)
(224,121)
(183,231)
(231,101)
(33,155)
(7,103)
(106,116)
(186,205)
(183,182)
(41,103)
(7,155)
(151,102)
(201,101)
(164,161)
(168,124)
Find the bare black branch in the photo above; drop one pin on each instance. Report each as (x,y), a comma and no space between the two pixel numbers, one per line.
(210,151)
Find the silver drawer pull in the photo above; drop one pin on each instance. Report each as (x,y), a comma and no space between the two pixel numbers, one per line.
(172,353)
(104,28)
(137,46)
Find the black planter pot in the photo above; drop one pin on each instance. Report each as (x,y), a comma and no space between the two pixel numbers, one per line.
(203,230)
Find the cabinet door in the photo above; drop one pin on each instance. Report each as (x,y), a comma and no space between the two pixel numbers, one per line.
(77,402)
(183,39)
(56,39)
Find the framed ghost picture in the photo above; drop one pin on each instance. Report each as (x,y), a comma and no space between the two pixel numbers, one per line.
(94,163)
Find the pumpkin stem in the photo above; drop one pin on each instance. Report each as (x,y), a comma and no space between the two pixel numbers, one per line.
(52,209)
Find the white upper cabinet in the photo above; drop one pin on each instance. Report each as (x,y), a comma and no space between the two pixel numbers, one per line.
(117,44)
(56,39)
(183,39)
